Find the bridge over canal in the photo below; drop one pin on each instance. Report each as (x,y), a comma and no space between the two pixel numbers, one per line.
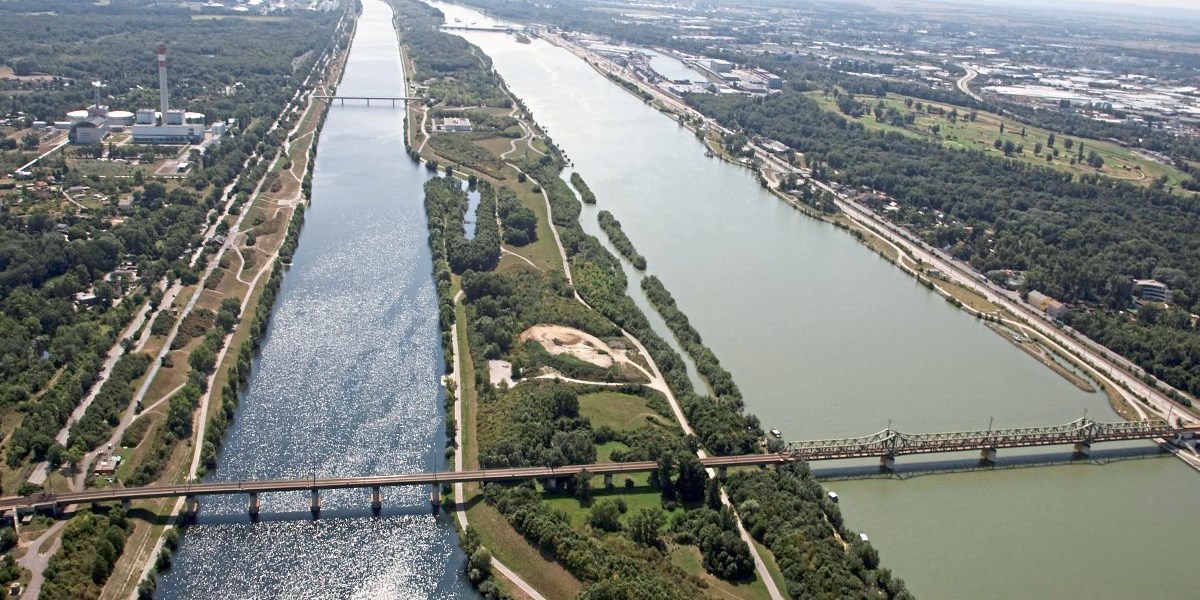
(886,445)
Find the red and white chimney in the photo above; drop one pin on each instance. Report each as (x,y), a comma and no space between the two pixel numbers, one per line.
(162,83)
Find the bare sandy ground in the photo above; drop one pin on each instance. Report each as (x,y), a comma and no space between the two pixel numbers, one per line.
(559,339)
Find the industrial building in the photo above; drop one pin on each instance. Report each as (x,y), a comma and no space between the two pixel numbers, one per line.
(455,124)
(91,130)
(1053,308)
(168,126)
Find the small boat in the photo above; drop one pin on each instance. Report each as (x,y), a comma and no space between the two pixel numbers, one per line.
(863,537)
(833,496)
(777,433)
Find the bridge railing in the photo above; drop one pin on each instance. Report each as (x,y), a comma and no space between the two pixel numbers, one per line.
(890,442)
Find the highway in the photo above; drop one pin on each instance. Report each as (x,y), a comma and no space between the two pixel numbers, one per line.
(964,83)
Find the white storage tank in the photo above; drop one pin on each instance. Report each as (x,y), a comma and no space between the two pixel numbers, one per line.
(77,115)
(145,116)
(120,118)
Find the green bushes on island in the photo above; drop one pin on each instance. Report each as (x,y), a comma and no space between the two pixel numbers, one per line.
(446,206)
(585,192)
(612,227)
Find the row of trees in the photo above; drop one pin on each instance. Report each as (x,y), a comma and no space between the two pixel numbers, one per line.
(616,235)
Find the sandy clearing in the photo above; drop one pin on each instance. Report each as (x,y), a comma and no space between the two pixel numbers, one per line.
(559,339)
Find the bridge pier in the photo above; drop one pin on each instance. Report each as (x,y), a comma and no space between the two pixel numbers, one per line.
(435,499)
(722,473)
(125,504)
(550,484)
(314,504)
(608,480)
(887,462)
(376,500)
(1083,449)
(255,505)
(191,507)
(987,455)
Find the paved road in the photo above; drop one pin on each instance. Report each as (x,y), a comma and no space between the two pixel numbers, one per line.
(964,83)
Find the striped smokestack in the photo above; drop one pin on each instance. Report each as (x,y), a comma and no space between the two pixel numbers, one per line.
(162,82)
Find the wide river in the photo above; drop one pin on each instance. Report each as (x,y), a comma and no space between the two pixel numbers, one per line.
(826,339)
(347,382)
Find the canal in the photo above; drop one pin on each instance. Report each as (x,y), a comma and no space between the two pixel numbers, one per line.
(826,339)
(347,382)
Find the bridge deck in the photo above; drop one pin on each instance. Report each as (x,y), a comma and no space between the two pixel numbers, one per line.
(888,443)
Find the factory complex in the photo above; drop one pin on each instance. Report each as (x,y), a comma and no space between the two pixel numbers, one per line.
(165,126)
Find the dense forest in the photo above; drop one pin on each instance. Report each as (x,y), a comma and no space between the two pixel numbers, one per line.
(224,68)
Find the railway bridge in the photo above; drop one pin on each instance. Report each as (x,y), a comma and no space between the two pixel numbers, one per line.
(885,445)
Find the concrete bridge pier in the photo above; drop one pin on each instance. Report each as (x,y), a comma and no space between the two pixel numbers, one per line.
(887,462)
(376,500)
(435,499)
(191,507)
(1083,449)
(314,504)
(255,505)
(550,484)
(987,455)
(722,473)
(608,480)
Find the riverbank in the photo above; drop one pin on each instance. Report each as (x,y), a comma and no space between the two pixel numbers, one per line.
(892,244)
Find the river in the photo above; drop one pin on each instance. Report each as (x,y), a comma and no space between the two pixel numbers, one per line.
(826,339)
(347,382)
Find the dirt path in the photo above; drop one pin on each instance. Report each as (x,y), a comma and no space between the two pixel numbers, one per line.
(35,562)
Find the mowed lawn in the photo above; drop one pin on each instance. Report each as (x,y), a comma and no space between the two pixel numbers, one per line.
(621,412)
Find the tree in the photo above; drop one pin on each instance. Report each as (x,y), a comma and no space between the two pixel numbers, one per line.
(606,516)
(712,494)
(1050,140)
(645,526)
(479,565)
(666,464)
(583,487)
(692,478)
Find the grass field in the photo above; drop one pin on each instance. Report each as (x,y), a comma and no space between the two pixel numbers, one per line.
(621,412)
(688,558)
(981,134)
(641,496)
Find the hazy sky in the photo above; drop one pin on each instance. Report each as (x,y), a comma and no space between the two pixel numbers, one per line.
(1192,6)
